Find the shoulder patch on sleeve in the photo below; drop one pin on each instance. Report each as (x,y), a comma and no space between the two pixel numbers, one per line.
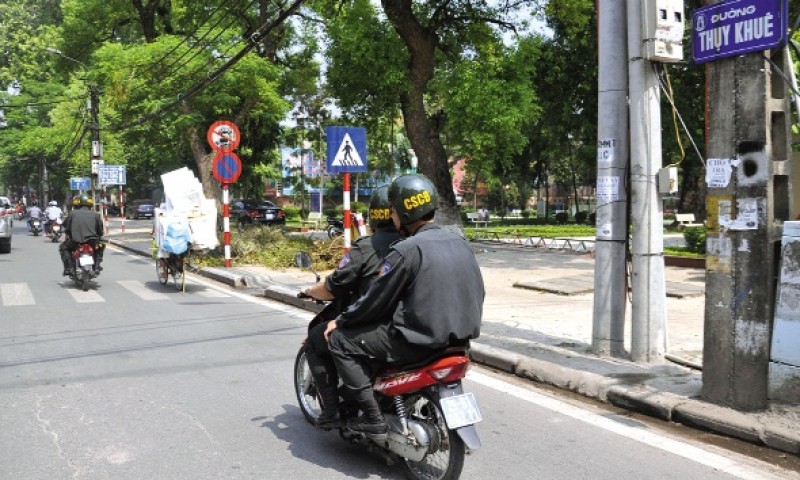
(345,261)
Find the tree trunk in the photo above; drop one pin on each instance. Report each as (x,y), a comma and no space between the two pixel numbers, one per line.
(423,131)
(203,161)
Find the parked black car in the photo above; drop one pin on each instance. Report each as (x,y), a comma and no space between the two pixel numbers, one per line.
(256,212)
(140,209)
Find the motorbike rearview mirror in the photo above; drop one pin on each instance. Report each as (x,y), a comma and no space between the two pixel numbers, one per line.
(303,260)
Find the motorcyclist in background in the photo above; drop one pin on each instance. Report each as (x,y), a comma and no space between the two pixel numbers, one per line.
(81,226)
(33,212)
(53,212)
(350,280)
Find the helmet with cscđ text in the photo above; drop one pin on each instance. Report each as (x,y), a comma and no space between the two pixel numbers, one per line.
(380,211)
(412,197)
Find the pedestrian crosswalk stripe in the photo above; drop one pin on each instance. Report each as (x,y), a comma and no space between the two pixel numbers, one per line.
(14,294)
(141,291)
(85,297)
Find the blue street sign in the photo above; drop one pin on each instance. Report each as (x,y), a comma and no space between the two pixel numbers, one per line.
(111,174)
(347,149)
(80,183)
(736,27)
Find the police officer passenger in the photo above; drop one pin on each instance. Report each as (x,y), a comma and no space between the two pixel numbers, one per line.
(428,296)
(351,279)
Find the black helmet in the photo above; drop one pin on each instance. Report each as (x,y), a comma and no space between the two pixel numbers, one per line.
(380,211)
(413,197)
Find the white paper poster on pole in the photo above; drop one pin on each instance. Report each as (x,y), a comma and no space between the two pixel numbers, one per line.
(607,189)
(718,172)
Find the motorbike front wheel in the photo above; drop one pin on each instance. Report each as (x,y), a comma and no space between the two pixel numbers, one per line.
(445,457)
(305,388)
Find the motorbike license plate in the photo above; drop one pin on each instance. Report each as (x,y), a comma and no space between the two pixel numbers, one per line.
(460,410)
(86,260)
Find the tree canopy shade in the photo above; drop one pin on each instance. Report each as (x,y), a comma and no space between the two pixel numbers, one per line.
(414,58)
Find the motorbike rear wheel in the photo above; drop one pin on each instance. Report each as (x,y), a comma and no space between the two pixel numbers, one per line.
(446,458)
(85,280)
(305,388)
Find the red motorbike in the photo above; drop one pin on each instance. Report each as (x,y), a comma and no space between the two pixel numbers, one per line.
(84,265)
(431,419)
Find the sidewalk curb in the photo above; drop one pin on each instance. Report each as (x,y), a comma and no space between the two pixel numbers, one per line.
(647,401)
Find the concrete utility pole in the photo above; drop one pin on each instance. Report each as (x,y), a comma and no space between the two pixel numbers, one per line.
(749,142)
(610,297)
(96,152)
(648,310)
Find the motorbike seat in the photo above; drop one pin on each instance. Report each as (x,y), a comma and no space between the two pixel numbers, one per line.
(453,351)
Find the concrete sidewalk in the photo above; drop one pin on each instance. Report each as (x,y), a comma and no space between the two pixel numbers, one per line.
(538,325)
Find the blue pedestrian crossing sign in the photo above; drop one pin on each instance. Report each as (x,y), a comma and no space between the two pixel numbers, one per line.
(347,149)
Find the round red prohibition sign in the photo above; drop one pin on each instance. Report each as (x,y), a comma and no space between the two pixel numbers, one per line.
(223,136)
(227,167)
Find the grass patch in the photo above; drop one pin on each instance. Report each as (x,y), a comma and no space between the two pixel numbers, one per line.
(546,231)
(682,252)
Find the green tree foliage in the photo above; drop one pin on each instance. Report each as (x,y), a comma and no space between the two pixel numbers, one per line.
(150,60)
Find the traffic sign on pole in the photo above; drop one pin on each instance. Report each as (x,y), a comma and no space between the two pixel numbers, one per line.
(347,149)
(111,175)
(80,183)
(223,136)
(226,167)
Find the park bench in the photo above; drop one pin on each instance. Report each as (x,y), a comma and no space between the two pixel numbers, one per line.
(686,220)
(475,219)
(314,219)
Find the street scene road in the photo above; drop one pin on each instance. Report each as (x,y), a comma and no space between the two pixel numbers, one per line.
(134,380)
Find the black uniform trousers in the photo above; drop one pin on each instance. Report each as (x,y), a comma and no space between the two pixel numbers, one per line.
(360,351)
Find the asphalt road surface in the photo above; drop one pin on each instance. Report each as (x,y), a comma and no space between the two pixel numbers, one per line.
(135,380)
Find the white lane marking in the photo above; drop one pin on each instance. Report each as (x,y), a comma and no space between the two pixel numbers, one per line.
(85,297)
(696,454)
(209,293)
(141,291)
(16,294)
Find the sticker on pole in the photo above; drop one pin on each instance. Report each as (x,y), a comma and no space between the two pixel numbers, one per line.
(223,136)
(226,167)
(347,149)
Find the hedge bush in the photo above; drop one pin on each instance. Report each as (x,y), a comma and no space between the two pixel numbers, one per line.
(695,238)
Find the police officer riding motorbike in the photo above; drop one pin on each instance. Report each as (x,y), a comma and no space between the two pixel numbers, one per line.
(351,279)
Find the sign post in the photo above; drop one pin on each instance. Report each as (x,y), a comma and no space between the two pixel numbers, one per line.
(223,137)
(113,175)
(347,152)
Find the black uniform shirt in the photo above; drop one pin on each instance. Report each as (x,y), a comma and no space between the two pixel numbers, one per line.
(360,265)
(83,225)
(430,287)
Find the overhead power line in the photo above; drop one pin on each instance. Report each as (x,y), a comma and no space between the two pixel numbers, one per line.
(212,77)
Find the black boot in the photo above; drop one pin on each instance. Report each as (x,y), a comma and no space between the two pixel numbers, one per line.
(371,421)
(324,373)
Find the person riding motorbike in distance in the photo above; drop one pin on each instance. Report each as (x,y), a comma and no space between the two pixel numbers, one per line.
(82,226)
(53,212)
(351,279)
(427,297)
(33,212)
